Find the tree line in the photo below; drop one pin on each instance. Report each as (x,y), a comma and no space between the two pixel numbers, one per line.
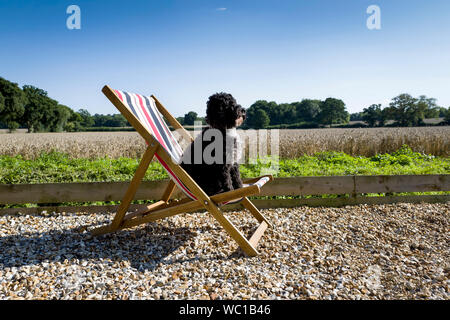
(404,110)
(31,108)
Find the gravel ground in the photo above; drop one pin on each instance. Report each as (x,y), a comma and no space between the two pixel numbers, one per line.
(398,251)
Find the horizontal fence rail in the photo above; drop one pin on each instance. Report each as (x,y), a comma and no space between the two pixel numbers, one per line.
(49,193)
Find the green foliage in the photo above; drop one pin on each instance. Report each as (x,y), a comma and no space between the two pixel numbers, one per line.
(357,116)
(108,120)
(190,118)
(12,104)
(180,120)
(74,122)
(86,119)
(406,110)
(447,116)
(299,125)
(374,115)
(429,107)
(31,107)
(107,129)
(306,110)
(37,101)
(260,119)
(2,102)
(43,113)
(333,111)
(57,167)
(443,111)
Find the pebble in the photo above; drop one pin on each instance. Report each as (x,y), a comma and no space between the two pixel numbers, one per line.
(395,251)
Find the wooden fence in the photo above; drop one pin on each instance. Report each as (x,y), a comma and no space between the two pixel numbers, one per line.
(353,186)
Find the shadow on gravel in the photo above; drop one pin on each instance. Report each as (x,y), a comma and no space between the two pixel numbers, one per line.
(145,248)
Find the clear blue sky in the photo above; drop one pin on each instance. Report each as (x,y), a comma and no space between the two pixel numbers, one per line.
(184,51)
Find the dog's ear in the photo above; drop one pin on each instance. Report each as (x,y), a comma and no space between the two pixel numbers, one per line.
(242,112)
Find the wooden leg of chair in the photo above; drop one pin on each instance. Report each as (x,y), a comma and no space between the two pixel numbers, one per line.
(209,205)
(254,211)
(102,230)
(151,207)
(232,231)
(254,239)
(168,192)
(131,191)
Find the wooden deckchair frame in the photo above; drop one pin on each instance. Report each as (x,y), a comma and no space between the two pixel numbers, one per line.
(165,207)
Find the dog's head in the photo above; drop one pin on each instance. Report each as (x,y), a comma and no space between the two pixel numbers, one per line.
(222,111)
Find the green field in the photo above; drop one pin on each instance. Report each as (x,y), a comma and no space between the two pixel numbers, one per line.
(55,167)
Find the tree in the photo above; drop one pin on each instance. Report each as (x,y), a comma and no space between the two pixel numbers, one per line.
(43,113)
(181,120)
(13,106)
(408,111)
(103,120)
(307,110)
(37,103)
(442,112)
(384,117)
(74,122)
(2,102)
(357,116)
(287,113)
(118,120)
(49,121)
(333,111)
(86,119)
(189,118)
(62,114)
(251,114)
(447,116)
(260,119)
(431,109)
(372,115)
(270,108)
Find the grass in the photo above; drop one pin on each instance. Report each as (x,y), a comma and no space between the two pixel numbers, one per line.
(56,167)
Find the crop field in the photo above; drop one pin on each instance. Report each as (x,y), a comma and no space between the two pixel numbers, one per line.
(365,141)
(292,143)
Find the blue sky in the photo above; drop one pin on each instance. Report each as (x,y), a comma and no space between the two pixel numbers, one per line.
(184,51)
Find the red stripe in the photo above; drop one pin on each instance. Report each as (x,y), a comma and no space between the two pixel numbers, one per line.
(168,133)
(174,176)
(118,93)
(162,142)
(164,126)
(155,130)
(174,143)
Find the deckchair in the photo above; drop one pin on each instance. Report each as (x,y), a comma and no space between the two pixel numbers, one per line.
(145,114)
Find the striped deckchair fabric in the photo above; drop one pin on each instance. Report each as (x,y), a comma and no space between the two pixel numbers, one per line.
(144,108)
(145,114)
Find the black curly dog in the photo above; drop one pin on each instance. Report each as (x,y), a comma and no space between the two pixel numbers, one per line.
(220,172)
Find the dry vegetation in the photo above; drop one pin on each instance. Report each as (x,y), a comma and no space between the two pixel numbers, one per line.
(78,145)
(293,143)
(365,141)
